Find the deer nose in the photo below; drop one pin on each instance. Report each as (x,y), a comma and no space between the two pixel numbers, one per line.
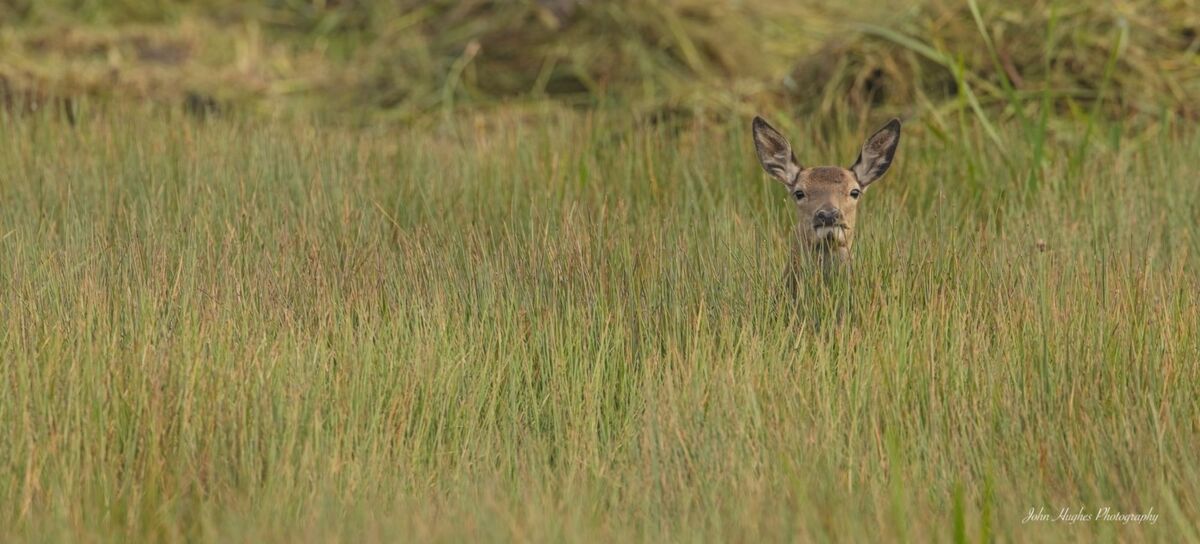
(827,217)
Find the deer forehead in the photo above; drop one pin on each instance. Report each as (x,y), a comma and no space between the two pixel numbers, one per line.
(826,177)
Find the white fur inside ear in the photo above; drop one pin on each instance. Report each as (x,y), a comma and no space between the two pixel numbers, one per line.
(877,153)
(774,152)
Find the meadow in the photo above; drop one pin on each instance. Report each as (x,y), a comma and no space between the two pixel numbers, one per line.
(559,325)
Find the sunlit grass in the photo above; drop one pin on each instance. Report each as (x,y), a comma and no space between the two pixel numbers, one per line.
(569,327)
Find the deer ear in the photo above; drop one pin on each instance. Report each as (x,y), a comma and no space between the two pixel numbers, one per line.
(877,152)
(774,152)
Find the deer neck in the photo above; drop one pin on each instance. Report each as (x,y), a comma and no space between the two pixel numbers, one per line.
(828,259)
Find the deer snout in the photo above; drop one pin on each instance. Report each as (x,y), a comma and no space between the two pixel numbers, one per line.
(827,217)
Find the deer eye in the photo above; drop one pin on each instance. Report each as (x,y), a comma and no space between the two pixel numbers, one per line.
(799,195)
(855,193)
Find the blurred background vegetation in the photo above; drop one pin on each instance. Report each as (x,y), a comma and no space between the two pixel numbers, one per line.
(1134,61)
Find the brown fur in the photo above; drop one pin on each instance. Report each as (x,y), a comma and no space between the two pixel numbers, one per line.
(826,197)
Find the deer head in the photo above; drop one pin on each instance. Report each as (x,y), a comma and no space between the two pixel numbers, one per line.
(826,197)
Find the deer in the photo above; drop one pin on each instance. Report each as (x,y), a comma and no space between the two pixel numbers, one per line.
(826,197)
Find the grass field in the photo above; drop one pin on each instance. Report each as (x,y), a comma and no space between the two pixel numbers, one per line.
(555,326)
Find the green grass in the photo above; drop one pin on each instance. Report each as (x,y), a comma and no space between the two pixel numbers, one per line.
(554,326)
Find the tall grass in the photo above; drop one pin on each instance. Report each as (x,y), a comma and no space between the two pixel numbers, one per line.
(1133,61)
(572,327)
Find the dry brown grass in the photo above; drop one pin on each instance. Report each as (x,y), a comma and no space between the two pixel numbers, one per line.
(1135,59)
